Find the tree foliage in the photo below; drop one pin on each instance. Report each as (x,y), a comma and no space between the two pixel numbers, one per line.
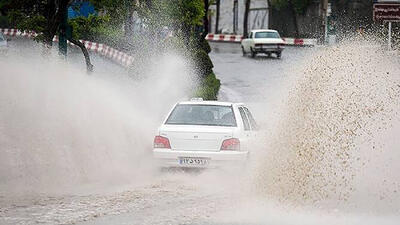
(113,24)
(117,10)
(186,15)
(299,5)
(47,17)
(42,16)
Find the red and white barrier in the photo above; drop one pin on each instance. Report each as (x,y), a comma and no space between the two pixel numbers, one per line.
(102,49)
(239,38)
(224,37)
(300,41)
(16,32)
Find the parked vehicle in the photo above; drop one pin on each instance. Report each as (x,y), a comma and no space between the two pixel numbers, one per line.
(263,41)
(201,133)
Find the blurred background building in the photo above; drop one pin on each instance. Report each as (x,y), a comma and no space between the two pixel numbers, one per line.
(307,21)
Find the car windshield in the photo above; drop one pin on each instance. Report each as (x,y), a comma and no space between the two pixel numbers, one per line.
(267,34)
(208,115)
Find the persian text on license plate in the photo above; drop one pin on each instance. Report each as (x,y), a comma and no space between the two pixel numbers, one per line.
(193,161)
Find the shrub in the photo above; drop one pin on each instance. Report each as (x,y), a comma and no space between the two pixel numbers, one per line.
(209,88)
(4,22)
(203,63)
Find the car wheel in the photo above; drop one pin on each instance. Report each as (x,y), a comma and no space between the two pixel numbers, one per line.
(278,55)
(253,53)
(243,52)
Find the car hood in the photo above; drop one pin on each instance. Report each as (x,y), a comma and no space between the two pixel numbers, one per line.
(268,41)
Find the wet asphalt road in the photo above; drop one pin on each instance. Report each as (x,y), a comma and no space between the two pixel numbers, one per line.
(22,47)
(183,199)
(253,81)
(245,79)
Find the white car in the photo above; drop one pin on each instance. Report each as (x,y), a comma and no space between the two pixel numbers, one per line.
(263,41)
(201,133)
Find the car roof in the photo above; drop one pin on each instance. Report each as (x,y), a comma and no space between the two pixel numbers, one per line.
(263,30)
(209,103)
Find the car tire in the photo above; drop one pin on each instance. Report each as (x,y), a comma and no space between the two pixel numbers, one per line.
(253,53)
(243,51)
(278,55)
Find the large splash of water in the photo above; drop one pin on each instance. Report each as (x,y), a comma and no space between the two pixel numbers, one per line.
(335,144)
(61,128)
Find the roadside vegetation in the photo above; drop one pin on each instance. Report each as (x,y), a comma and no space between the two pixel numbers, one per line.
(140,28)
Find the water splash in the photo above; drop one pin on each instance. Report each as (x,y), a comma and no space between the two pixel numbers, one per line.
(61,128)
(344,99)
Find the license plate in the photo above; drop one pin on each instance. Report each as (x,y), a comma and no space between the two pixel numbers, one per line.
(270,46)
(193,161)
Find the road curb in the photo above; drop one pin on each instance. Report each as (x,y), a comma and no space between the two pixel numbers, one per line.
(115,55)
(238,38)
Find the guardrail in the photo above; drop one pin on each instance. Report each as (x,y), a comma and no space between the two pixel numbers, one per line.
(239,38)
(117,56)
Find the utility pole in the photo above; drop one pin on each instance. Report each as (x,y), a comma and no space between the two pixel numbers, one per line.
(246,17)
(235,16)
(325,19)
(218,4)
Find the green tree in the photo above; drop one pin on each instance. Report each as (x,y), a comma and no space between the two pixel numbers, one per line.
(189,20)
(121,11)
(299,6)
(186,15)
(295,6)
(47,17)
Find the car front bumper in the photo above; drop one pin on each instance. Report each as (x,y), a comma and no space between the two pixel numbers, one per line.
(172,158)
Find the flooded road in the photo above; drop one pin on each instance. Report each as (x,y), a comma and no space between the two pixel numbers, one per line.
(327,153)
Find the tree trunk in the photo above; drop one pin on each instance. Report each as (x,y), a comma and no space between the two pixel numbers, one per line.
(246,17)
(89,66)
(51,27)
(269,13)
(205,19)
(296,26)
(218,3)
(55,10)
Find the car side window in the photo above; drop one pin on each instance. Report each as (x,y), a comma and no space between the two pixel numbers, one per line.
(251,35)
(244,118)
(253,123)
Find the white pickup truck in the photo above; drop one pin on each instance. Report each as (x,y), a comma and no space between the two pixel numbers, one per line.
(263,41)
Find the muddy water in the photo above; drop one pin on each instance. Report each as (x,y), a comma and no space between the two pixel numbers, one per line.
(335,143)
(61,128)
(330,155)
